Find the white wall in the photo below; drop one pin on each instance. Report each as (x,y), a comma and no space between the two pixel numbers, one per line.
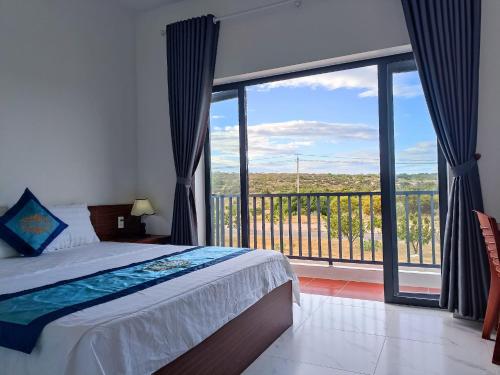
(67,101)
(69,80)
(320,29)
(489,103)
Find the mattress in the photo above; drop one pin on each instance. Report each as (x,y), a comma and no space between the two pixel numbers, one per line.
(141,332)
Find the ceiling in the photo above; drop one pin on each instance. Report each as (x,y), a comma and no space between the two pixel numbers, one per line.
(144,4)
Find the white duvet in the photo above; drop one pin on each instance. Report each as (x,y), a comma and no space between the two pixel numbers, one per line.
(140,333)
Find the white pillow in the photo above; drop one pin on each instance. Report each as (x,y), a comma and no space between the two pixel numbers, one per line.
(6,251)
(79,231)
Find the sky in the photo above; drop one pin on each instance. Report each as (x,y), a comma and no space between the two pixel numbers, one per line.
(329,121)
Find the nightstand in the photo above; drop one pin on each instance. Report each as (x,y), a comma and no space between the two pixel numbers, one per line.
(147,238)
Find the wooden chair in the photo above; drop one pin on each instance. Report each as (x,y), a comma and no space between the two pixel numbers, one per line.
(496,351)
(491,235)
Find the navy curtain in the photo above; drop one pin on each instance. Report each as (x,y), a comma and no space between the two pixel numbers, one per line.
(191,53)
(445,37)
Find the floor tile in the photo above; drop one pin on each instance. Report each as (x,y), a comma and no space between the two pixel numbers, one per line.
(350,318)
(432,328)
(397,321)
(354,289)
(266,364)
(304,280)
(338,284)
(348,351)
(353,332)
(309,303)
(368,304)
(361,290)
(408,357)
(324,287)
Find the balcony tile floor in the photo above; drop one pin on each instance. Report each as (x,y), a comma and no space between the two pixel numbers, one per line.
(342,288)
(344,336)
(352,289)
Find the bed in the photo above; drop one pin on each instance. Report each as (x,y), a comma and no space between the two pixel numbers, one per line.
(213,320)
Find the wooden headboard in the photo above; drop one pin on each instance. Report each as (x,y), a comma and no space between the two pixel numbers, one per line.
(105,221)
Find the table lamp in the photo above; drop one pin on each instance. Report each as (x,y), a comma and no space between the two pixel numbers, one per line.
(141,207)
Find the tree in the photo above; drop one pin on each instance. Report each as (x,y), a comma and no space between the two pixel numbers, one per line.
(352,233)
(412,234)
(354,218)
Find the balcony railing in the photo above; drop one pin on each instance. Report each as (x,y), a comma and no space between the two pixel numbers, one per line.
(333,227)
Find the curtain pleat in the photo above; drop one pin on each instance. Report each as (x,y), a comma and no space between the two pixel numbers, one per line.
(191,55)
(445,36)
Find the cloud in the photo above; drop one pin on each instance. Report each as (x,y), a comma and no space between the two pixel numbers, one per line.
(420,157)
(217,117)
(361,78)
(304,129)
(272,147)
(286,138)
(356,162)
(225,162)
(365,79)
(407,90)
(426,150)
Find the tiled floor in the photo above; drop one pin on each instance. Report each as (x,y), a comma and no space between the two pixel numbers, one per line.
(344,336)
(342,288)
(352,289)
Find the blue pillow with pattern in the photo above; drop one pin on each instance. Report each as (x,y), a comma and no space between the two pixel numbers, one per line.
(29,227)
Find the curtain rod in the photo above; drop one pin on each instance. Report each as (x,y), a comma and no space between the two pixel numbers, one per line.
(297,4)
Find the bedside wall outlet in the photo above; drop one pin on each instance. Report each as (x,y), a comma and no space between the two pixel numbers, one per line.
(121,222)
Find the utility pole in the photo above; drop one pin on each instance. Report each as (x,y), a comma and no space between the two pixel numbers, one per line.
(298,180)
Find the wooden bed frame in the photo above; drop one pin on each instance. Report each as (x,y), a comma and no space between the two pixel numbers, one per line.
(237,344)
(232,348)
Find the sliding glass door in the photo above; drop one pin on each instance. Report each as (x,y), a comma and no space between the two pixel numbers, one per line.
(415,190)
(225,173)
(338,165)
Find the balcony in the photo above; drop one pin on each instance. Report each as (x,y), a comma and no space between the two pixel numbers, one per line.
(342,230)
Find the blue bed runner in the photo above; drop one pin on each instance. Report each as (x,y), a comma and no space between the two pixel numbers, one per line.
(23,315)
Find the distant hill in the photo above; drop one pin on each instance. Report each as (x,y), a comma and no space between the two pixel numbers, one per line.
(227,183)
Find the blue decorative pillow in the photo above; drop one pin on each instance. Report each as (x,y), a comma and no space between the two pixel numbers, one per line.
(28,226)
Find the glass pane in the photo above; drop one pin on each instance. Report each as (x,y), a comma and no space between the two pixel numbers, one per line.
(225,170)
(313,161)
(417,197)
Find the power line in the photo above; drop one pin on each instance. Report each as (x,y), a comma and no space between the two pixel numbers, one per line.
(362,158)
(345,161)
(274,157)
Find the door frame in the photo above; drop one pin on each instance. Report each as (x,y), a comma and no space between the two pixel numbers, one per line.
(387,173)
(388,188)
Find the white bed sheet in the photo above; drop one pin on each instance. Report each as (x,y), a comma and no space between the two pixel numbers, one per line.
(139,333)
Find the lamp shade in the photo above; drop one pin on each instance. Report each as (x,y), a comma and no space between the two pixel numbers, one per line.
(141,207)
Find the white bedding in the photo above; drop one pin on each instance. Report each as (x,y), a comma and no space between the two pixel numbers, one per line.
(139,333)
